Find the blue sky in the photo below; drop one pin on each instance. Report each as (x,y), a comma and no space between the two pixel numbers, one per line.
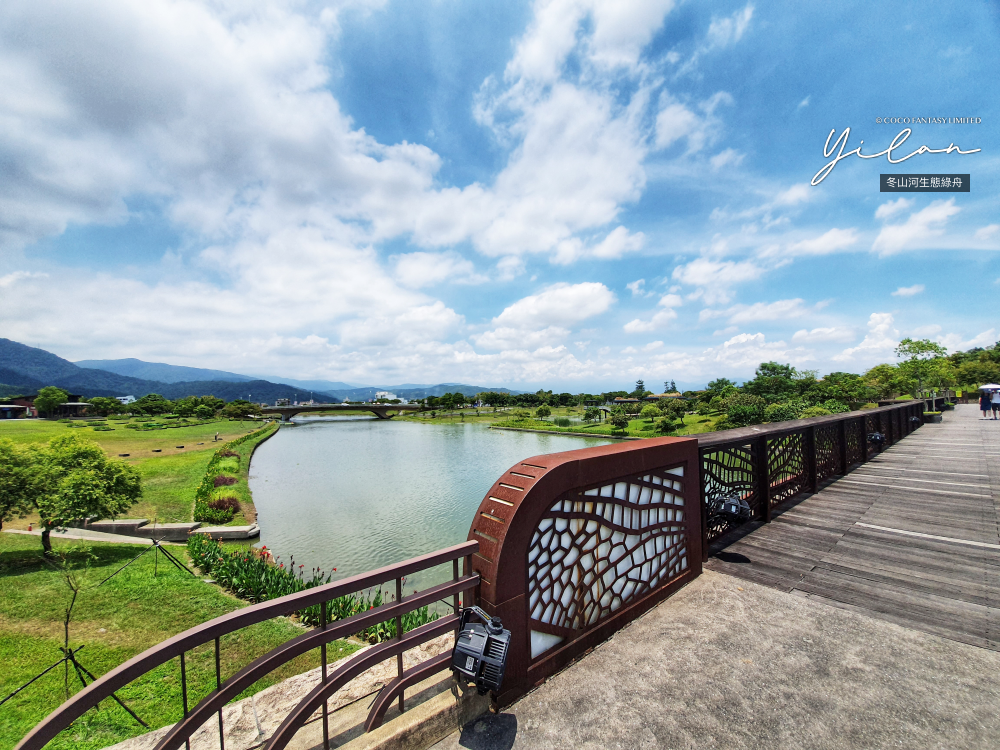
(570,194)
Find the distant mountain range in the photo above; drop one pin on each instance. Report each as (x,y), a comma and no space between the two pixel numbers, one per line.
(25,369)
(136,368)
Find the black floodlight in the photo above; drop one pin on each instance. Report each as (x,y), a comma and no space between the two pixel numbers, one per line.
(728,508)
(877,439)
(916,420)
(480,653)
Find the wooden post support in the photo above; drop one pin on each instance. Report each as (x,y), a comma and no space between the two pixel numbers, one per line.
(763,478)
(810,449)
(843,446)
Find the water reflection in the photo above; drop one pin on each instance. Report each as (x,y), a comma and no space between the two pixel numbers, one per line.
(356,493)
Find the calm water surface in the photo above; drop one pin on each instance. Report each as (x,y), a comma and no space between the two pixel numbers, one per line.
(357,494)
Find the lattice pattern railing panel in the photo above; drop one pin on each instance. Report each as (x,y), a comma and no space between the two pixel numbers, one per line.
(729,471)
(873,423)
(787,471)
(827,451)
(856,441)
(596,551)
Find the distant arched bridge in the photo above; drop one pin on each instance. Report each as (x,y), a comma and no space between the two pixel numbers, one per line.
(379,410)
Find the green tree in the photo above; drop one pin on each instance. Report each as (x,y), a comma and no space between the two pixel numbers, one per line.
(74,479)
(543,411)
(153,404)
(240,409)
(618,418)
(676,408)
(591,414)
(665,424)
(16,481)
(845,387)
(649,412)
(783,411)
(744,409)
(49,399)
(888,381)
(977,372)
(773,382)
(640,390)
(204,411)
(919,359)
(103,406)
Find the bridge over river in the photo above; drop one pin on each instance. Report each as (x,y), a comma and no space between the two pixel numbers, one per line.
(382,411)
(864,615)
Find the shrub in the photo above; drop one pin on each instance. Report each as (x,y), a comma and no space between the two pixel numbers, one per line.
(206,490)
(223,481)
(703,409)
(835,407)
(744,409)
(226,502)
(814,411)
(562,422)
(664,425)
(256,576)
(618,418)
(519,415)
(543,411)
(783,411)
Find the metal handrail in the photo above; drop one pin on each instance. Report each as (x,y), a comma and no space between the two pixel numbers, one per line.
(179,644)
(759,439)
(744,435)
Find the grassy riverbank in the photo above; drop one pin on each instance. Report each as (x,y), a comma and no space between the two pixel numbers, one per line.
(643,428)
(240,474)
(130,613)
(170,475)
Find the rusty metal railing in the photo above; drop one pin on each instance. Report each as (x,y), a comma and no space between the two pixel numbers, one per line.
(209,632)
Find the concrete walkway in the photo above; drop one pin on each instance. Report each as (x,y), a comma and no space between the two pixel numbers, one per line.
(90,536)
(727,663)
(756,653)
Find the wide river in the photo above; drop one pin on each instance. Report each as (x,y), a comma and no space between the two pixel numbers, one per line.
(356,494)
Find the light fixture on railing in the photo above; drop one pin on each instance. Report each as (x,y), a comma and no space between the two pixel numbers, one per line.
(480,653)
(877,439)
(916,420)
(731,509)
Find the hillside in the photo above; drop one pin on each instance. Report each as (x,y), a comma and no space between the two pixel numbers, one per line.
(25,369)
(160,372)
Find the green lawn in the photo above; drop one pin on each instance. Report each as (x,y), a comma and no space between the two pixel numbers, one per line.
(169,478)
(125,616)
(643,428)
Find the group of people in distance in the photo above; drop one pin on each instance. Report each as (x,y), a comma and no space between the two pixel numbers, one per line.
(989,401)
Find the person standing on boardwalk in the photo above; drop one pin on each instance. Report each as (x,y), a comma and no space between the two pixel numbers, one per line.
(995,403)
(985,404)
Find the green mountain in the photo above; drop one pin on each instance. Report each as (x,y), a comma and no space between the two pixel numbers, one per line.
(163,373)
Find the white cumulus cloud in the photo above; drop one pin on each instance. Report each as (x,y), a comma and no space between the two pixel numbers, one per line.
(908,291)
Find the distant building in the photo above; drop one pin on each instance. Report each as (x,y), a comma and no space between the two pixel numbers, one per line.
(14,411)
(74,407)
(662,396)
(389,397)
(282,402)
(126,400)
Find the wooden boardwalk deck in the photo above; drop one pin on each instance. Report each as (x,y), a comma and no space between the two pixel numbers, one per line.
(912,536)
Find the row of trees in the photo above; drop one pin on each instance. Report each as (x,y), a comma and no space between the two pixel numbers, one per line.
(67,480)
(50,398)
